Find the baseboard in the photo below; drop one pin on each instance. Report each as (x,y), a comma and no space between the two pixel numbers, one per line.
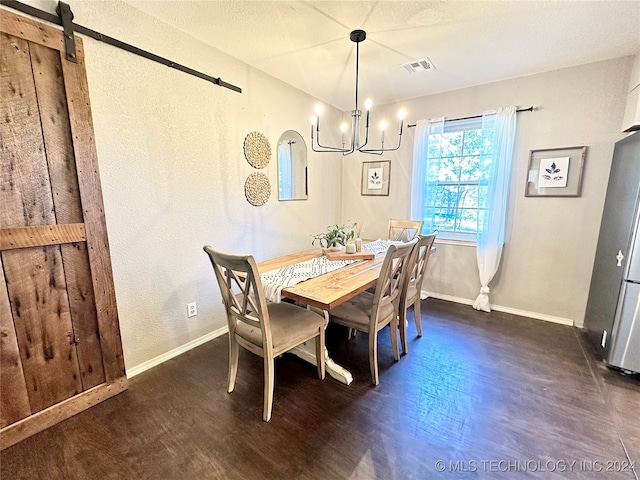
(143,367)
(499,308)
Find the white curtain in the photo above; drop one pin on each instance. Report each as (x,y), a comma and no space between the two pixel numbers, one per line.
(427,147)
(501,124)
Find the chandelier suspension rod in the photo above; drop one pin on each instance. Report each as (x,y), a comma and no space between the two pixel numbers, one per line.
(357,71)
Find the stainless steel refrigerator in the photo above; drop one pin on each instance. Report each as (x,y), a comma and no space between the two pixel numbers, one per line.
(613,309)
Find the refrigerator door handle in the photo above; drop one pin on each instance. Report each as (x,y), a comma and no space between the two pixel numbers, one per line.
(620,257)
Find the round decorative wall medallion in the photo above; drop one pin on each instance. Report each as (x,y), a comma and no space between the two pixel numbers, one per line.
(257,150)
(257,189)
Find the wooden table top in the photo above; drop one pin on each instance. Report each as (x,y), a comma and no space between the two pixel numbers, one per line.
(330,289)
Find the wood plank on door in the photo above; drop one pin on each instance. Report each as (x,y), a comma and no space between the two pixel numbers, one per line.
(84,146)
(23,163)
(41,235)
(40,310)
(14,400)
(52,102)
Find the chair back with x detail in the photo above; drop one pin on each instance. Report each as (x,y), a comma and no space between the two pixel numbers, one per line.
(370,312)
(404,230)
(265,329)
(413,285)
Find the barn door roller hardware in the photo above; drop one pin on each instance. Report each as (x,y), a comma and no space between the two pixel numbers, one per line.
(66,16)
(69,28)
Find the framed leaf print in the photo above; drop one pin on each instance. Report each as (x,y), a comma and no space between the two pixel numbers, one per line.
(555,172)
(376,177)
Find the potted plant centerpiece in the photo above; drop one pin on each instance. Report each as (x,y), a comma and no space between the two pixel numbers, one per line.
(336,236)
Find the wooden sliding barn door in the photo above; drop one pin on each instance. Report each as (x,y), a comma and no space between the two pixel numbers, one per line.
(59,335)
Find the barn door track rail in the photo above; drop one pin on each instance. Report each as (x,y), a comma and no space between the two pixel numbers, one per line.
(65,19)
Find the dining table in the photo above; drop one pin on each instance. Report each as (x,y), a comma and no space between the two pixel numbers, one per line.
(325,292)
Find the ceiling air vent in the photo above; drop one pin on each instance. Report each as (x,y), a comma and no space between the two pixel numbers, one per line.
(421,65)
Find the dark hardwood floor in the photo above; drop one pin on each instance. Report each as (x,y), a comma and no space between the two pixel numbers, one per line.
(478,396)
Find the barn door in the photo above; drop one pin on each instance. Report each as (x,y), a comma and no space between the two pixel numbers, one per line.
(59,335)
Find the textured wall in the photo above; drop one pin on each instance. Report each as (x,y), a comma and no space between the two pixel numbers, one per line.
(550,242)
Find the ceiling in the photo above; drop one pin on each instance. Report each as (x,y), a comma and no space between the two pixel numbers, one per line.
(306,44)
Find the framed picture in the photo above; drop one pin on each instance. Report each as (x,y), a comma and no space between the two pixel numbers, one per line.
(375,178)
(555,172)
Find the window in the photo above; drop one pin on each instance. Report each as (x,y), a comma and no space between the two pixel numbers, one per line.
(455,179)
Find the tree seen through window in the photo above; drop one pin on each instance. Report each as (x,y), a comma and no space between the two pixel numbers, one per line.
(456,159)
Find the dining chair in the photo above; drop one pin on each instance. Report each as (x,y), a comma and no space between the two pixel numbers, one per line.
(404,230)
(370,312)
(410,294)
(265,329)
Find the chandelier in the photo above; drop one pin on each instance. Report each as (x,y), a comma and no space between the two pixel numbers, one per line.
(356,145)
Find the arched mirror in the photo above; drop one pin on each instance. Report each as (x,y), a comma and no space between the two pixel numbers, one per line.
(292,166)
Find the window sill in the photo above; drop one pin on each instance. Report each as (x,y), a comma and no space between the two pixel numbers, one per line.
(452,241)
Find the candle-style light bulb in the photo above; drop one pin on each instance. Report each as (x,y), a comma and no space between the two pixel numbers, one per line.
(313,124)
(318,110)
(383,125)
(367,106)
(401,117)
(343,127)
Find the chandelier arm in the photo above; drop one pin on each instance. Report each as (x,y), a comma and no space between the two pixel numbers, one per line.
(379,151)
(327,148)
(366,133)
(349,151)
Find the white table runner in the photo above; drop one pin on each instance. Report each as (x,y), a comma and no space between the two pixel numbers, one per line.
(274,281)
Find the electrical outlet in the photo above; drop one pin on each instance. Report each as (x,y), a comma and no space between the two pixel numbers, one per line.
(192,310)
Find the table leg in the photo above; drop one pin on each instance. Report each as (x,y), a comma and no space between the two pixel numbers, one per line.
(307,352)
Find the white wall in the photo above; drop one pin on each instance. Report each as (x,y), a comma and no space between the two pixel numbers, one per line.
(170,152)
(550,242)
